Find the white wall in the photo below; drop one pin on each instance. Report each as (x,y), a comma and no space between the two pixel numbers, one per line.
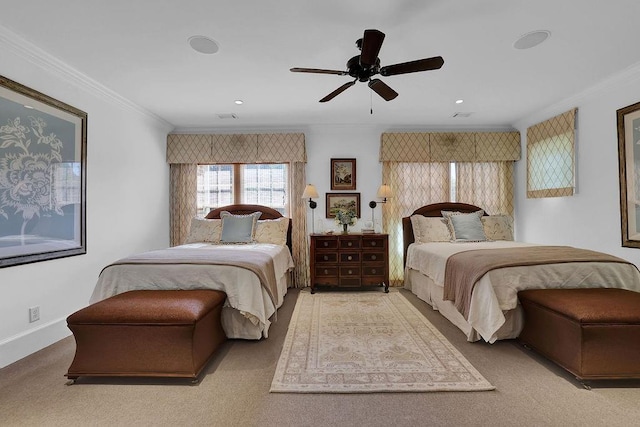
(127,200)
(591,218)
(344,141)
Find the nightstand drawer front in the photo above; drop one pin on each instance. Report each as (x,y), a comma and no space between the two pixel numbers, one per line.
(326,243)
(348,271)
(326,271)
(373,270)
(373,257)
(371,242)
(350,243)
(322,257)
(346,257)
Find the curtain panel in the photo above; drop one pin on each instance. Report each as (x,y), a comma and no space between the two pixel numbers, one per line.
(186,151)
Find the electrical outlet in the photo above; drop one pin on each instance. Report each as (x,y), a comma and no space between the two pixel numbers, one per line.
(34,314)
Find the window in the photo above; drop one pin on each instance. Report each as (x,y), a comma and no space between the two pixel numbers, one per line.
(550,157)
(256,183)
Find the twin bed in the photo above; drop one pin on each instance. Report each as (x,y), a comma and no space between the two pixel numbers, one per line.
(255,276)
(488,307)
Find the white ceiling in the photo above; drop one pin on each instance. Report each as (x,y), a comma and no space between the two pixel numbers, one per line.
(139,49)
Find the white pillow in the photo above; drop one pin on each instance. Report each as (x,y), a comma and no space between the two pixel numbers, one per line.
(238,228)
(465,227)
(272,231)
(204,230)
(498,227)
(429,229)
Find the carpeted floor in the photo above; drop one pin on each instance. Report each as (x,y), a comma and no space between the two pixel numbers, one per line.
(234,390)
(367,342)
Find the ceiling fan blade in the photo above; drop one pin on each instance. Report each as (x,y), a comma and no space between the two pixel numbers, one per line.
(371,44)
(317,71)
(413,66)
(338,91)
(382,89)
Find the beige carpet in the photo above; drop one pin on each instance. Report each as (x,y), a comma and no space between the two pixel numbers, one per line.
(362,342)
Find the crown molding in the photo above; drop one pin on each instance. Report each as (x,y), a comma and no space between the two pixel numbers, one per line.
(47,62)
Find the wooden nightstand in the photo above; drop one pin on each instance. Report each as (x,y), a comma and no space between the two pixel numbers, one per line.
(353,260)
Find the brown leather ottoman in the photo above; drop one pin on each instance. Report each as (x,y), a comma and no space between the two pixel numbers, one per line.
(170,333)
(592,333)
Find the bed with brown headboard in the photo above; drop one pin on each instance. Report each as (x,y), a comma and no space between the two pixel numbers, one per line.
(474,282)
(253,272)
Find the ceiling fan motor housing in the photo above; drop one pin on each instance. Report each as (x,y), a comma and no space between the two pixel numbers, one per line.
(356,70)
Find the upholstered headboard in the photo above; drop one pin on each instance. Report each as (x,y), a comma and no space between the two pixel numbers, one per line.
(241,209)
(433,210)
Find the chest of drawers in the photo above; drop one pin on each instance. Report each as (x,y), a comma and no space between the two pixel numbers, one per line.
(349,260)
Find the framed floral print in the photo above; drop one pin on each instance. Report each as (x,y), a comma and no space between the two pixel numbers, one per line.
(343,174)
(43,148)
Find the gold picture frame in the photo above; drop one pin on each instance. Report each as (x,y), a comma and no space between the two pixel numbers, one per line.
(43,149)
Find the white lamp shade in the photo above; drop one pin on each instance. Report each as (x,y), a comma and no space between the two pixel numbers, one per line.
(310,192)
(384,191)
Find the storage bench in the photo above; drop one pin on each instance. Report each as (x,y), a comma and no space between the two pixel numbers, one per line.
(592,333)
(154,333)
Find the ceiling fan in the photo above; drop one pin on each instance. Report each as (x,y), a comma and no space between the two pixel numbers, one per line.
(366,65)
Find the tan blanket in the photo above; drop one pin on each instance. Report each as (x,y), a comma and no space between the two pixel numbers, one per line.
(464,269)
(259,263)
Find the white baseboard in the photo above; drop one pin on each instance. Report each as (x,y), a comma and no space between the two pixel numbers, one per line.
(28,342)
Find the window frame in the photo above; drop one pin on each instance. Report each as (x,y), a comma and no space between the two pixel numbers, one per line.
(238,187)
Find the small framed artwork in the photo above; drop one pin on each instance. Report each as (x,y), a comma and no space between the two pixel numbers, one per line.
(348,201)
(43,149)
(629,171)
(343,174)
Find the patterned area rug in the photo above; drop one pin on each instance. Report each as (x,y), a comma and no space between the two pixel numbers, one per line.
(362,342)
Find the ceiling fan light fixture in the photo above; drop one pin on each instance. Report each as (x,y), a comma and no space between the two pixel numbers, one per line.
(203,44)
(531,39)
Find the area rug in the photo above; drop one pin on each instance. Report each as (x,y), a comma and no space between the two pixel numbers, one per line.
(363,342)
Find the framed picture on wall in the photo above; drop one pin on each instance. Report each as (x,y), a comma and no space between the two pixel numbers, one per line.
(43,146)
(348,201)
(629,168)
(343,174)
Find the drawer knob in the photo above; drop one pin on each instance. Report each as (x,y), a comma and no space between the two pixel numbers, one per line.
(326,244)
(373,271)
(349,244)
(373,257)
(350,271)
(326,258)
(349,257)
(373,243)
(326,271)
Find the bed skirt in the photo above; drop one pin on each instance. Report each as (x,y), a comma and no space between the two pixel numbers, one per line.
(426,289)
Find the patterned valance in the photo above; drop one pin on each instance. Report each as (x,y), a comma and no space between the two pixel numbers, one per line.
(425,147)
(236,148)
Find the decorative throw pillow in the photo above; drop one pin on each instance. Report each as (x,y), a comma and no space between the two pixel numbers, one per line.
(429,229)
(204,230)
(465,227)
(238,228)
(498,227)
(272,231)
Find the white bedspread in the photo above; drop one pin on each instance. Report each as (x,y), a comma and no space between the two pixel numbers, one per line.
(244,291)
(497,291)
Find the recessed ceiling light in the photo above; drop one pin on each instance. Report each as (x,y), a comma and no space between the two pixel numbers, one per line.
(238,102)
(203,44)
(28,106)
(529,40)
(459,101)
